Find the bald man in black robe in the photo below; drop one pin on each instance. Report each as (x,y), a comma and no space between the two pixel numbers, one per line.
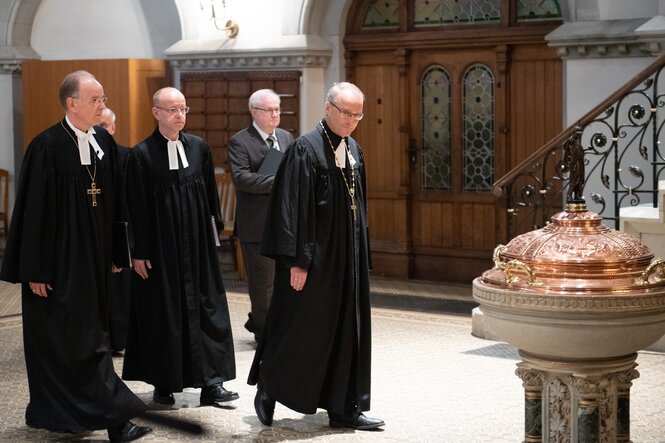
(316,347)
(179,327)
(59,249)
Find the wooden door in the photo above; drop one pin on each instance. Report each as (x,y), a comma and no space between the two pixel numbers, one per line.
(456,96)
(456,152)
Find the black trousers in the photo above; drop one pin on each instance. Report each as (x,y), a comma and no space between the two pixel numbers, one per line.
(260,272)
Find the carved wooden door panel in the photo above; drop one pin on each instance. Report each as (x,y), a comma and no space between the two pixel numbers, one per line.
(456,150)
(218,102)
(458,93)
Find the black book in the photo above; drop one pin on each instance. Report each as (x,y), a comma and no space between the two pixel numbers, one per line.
(271,162)
(121,254)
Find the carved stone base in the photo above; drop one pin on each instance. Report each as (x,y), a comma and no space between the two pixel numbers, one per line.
(577,401)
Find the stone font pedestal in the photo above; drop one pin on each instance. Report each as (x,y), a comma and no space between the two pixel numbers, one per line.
(577,401)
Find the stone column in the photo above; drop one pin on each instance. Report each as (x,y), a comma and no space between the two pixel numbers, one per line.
(624,383)
(590,392)
(533,402)
(577,401)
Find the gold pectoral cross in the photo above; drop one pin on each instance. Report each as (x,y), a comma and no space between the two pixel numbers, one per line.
(353,203)
(94,191)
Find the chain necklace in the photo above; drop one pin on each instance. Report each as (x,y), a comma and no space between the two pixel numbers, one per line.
(350,189)
(93,191)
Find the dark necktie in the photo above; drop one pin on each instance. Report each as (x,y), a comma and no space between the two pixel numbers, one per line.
(271,142)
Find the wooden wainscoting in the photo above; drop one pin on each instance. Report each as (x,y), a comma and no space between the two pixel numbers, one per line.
(128,83)
(218,102)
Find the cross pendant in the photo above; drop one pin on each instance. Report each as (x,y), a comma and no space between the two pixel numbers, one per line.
(353,208)
(94,191)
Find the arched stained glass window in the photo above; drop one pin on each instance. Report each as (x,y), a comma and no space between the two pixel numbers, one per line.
(454,12)
(382,14)
(436,137)
(529,10)
(478,127)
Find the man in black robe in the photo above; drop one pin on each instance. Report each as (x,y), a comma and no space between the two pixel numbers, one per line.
(120,293)
(179,326)
(316,347)
(59,249)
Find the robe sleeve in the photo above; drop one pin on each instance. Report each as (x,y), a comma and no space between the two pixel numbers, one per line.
(211,188)
(290,232)
(30,248)
(363,187)
(137,206)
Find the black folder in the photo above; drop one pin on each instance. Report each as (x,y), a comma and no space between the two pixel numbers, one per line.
(121,254)
(271,162)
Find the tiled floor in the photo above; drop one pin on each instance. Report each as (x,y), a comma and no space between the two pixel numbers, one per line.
(432,381)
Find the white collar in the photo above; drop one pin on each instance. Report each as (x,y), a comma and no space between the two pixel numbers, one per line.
(83,139)
(175,148)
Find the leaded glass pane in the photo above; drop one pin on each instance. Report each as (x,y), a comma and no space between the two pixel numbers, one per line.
(454,12)
(435,103)
(382,14)
(528,10)
(478,138)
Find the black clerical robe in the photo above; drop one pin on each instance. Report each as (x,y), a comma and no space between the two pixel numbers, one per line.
(58,237)
(120,293)
(315,352)
(179,331)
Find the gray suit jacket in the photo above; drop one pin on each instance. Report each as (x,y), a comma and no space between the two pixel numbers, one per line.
(246,150)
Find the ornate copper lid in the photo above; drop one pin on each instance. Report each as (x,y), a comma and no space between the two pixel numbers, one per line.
(575,254)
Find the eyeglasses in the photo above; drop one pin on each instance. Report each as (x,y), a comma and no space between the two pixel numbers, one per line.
(94,100)
(346,114)
(269,110)
(174,110)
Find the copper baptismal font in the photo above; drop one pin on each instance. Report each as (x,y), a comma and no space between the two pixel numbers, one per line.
(578,300)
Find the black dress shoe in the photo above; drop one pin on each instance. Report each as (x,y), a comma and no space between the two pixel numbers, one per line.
(127,432)
(357,421)
(217,394)
(163,396)
(264,406)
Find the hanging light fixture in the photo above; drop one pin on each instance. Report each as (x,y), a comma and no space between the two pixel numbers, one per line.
(230,28)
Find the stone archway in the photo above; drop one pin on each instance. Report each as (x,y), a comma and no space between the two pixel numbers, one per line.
(15,31)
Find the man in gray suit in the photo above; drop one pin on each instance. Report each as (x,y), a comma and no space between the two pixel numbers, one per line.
(247,150)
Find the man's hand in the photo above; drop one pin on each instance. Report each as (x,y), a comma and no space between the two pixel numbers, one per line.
(298,278)
(40,288)
(115,269)
(141,267)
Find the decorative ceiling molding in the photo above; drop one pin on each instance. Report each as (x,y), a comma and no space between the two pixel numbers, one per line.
(243,62)
(609,38)
(10,66)
(285,52)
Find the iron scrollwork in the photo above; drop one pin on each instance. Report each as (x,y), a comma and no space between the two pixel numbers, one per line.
(622,159)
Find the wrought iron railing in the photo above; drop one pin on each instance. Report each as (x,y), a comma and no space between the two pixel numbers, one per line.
(623,160)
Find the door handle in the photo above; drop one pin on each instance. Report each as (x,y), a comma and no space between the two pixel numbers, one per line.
(413,153)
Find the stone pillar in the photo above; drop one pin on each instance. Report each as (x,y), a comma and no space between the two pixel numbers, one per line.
(533,402)
(577,401)
(624,383)
(590,393)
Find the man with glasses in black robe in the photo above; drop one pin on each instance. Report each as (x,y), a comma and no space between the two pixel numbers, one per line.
(179,327)
(59,249)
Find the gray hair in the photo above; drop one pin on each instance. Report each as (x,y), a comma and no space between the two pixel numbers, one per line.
(110,112)
(256,97)
(346,86)
(70,85)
